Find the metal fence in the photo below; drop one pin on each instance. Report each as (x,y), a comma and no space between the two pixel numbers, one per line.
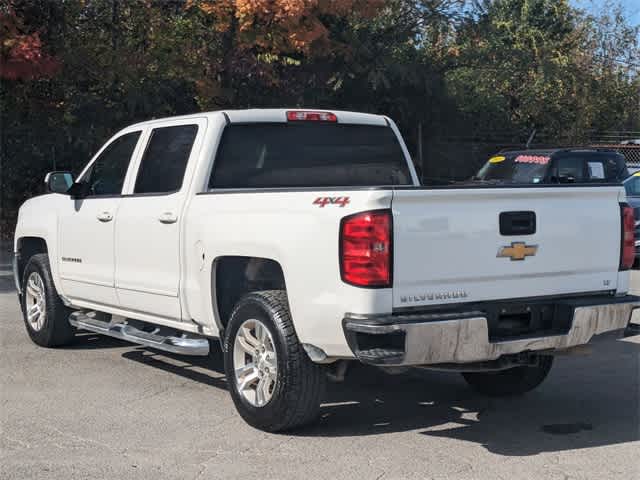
(631,152)
(461,157)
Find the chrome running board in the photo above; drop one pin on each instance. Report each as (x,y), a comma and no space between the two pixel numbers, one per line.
(176,342)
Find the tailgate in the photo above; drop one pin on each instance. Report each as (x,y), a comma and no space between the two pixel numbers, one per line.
(448,245)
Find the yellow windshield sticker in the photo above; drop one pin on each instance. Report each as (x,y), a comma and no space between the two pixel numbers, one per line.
(637,174)
(497,159)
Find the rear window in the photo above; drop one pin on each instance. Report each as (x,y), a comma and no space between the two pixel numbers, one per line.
(265,155)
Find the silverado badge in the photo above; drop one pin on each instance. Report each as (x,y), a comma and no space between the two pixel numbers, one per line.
(518,251)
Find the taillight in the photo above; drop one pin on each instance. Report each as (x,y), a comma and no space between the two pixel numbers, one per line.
(307,116)
(628,248)
(365,249)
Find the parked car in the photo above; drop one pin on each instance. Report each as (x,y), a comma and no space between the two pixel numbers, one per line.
(632,187)
(554,166)
(302,240)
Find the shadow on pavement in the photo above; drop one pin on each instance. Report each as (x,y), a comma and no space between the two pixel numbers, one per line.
(90,341)
(7,283)
(198,369)
(581,405)
(589,409)
(207,370)
(586,401)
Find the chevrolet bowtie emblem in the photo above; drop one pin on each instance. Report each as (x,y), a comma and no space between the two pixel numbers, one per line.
(518,251)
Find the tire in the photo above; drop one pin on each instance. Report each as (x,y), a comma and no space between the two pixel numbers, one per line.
(294,391)
(514,381)
(52,329)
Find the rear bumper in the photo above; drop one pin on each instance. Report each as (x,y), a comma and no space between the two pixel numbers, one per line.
(464,337)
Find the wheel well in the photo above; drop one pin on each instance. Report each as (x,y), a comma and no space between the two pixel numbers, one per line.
(234,277)
(27,248)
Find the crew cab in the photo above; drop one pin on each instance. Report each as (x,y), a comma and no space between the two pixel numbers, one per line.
(301,240)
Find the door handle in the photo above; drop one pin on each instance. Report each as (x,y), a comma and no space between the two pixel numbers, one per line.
(517,223)
(105,217)
(168,217)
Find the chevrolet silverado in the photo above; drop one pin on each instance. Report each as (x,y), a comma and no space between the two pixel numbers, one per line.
(302,240)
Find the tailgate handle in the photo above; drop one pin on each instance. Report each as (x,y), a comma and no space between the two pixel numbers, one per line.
(517,223)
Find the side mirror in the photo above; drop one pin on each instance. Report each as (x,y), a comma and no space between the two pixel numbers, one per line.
(58,182)
(77,191)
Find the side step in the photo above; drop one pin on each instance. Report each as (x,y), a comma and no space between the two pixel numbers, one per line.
(178,342)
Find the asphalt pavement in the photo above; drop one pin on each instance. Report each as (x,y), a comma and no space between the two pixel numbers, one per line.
(104,409)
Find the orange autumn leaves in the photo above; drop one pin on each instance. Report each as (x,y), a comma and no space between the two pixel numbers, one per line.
(284,25)
(21,54)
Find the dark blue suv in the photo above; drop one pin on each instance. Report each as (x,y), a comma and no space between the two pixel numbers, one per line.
(567,165)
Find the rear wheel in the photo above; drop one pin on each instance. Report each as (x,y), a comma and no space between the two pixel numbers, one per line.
(273,383)
(45,316)
(514,381)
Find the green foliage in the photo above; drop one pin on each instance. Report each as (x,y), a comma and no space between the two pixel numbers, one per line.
(538,64)
(501,65)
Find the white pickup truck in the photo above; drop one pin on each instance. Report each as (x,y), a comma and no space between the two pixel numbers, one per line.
(303,240)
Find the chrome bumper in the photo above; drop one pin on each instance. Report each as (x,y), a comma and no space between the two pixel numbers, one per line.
(430,339)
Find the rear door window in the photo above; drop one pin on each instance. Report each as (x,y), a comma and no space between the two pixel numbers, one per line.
(614,166)
(165,159)
(265,155)
(589,167)
(596,170)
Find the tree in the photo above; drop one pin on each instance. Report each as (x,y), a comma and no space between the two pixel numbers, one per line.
(540,64)
(263,45)
(520,64)
(615,69)
(284,26)
(22,54)
(72,73)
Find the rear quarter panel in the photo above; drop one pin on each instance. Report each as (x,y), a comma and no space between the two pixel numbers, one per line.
(301,236)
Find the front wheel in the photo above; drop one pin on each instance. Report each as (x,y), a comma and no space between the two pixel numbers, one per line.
(45,316)
(273,383)
(514,381)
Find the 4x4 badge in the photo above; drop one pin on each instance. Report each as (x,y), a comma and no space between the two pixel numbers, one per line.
(323,201)
(518,251)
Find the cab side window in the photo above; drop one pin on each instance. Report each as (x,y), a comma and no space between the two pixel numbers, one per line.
(600,170)
(106,174)
(569,169)
(165,159)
